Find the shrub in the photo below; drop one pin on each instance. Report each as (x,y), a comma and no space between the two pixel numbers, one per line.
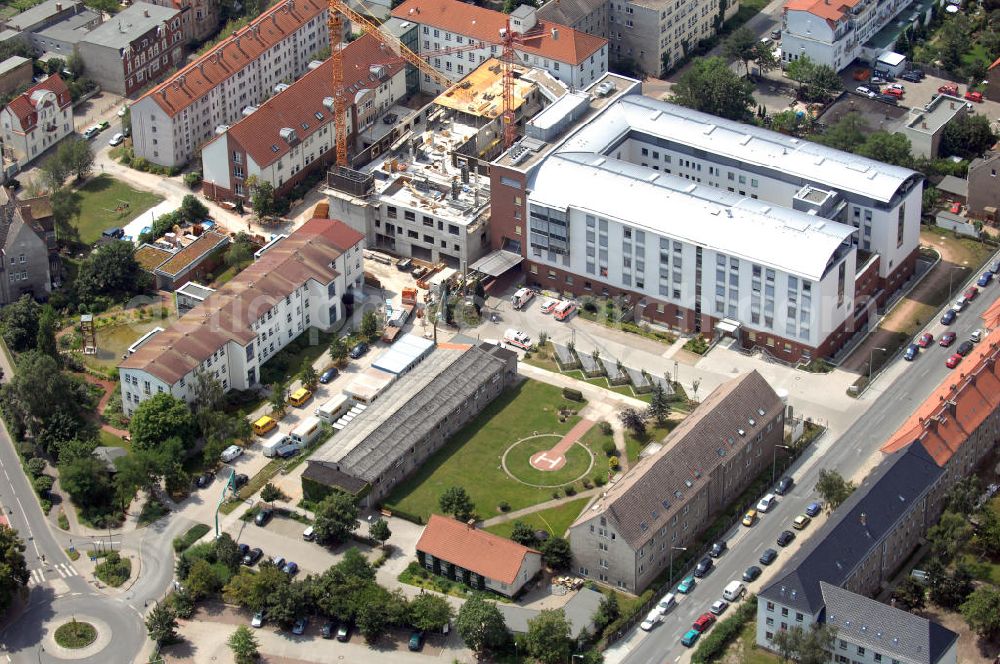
(725,632)
(43,484)
(586,483)
(504,506)
(113,570)
(609,448)
(556,494)
(605,427)
(192,179)
(194,533)
(570,490)
(572,394)
(613,463)
(35,466)
(600,480)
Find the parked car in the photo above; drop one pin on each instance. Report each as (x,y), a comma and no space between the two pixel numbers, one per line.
(964,348)
(995,268)
(718,549)
(666,604)
(104,124)
(892,100)
(278,562)
(949,317)
(949,89)
(785,538)
(985,278)
(911,352)
(974,96)
(910,76)
(230,453)
(768,556)
(960,304)
(258,619)
(290,568)
(263,516)
(328,375)
(864,90)
(416,641)
(767,502)
(242,549)
(976,336)
(204,480)
(240,480)
(359,350)
(784,485)
(750,518)
(117,139)
(690,638)
(328,629)
(925,340)
(252,556)
(719,606)
(703,622)
(893,92)
(947,339)
(90,132)
(344,632)
(970,293)
(703,567)
(813,509)
(776,34)
(801,521)
(751,573)
(687,585)
(650,621)
(953,361)
(299,627)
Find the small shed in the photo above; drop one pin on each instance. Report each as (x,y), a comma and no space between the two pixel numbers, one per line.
(891,62)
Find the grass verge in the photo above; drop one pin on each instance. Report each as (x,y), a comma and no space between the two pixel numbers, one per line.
(555,520)
(193,534)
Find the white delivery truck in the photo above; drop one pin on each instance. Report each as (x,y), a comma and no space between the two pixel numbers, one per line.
(334,408)
(307,431)
(271,445)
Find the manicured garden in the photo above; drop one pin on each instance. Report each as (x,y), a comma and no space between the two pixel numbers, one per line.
(471,459)
(105,202)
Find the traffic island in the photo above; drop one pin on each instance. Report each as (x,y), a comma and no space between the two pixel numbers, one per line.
(75,634)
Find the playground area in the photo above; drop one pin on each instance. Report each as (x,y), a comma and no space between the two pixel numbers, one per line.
(105,202)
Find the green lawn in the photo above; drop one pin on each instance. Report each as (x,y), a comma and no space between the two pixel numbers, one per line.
(634,445)
(595,439)
(747,648)
(519,463)
(555,520)
(111,440)
(98,200)
(471,458)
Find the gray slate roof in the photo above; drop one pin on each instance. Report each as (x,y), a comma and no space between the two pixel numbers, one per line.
(128,24)
(831,554)
(647,497)
(580,610)
(885,629)
(40,13)
(327,475)
(568,12)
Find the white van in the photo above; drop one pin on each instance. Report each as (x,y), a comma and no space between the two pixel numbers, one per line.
(309,534)
(307,431)
(734,591)
(231,453)
(666,604)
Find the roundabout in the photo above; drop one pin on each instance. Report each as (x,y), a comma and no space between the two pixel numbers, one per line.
(541,461)
(75,634)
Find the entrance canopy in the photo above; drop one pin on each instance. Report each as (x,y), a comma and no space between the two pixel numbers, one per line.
(728,326)
(496,263)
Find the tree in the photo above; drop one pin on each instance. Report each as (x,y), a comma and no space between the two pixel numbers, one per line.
(289,602)
(262,197)
(227,552)
(847,133)
(787,642)
(967,136)
(77,155)
(607,612)
(833,488)
(890,148)
(55,170)
(456,502)
(369,326)
(379,531)
(201,580)
(336,518)
(192,209)
(712,87)
(523,534)
(801,70)
(158,418)
(988,533)
(817,644)
(113,271)
(309,378)
(659,407)
(244,645)
(355,566)
(481,625)
(823,84)
(278,400)
(271,493)
(787,122)
(429,612)
(742,46)
(252,590)
(910,594)
(86,481)
(549,637)
(240,252)
(950,591)
(556,553)
(962,497)
(161,623)
(65,206)
(764,58)
(982,611)
(46,338)
(372,614)
(13,568)
(633,421)
(339,351)
(19,323)
(948,535)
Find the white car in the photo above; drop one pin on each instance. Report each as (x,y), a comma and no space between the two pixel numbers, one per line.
(231,453)
(652,618)
(719,606)
(897,86)
(767,502)
(117,139)
(862,90)
(668,602)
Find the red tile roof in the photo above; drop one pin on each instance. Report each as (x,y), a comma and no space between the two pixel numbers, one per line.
(832,11)
(226,315)
(996,63)
(23,107)
(208,242)
(299,104)
(478,551)
(483,24)
(946,419)
(233,54)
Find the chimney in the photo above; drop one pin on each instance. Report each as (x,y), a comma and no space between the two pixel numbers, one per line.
(145,12)
(471,523)
(58,6)
(555,33)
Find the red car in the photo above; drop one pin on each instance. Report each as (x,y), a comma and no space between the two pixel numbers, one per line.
(974,96)
(703,622)
(925,340)
(953,361)
(971,293)
(895,92)
(950,89)
(947,339)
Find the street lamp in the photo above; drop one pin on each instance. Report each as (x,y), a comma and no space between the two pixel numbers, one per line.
(774,458)
(672,549)
(871,360)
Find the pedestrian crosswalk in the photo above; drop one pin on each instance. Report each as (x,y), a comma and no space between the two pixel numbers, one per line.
(63,570)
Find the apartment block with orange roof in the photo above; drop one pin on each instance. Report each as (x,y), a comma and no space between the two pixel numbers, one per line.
(171,122)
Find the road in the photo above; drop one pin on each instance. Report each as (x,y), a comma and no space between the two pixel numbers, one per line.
(893,397)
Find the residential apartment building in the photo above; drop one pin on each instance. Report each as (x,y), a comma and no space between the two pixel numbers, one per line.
(625,538)
(291,134)
(36,120)
(297,284)
(853,555)
(199,18)
(15,74)
(835,32)
(26,256)
(54,27)
(984,186)
(575,58)
(826,234)
(590,16)
(171,122)
(137,46)
(925,125)
(479,559)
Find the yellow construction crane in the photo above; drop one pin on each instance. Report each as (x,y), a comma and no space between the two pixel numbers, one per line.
(338,10)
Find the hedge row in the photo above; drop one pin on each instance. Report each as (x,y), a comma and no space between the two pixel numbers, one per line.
(714,646)
(194,533)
